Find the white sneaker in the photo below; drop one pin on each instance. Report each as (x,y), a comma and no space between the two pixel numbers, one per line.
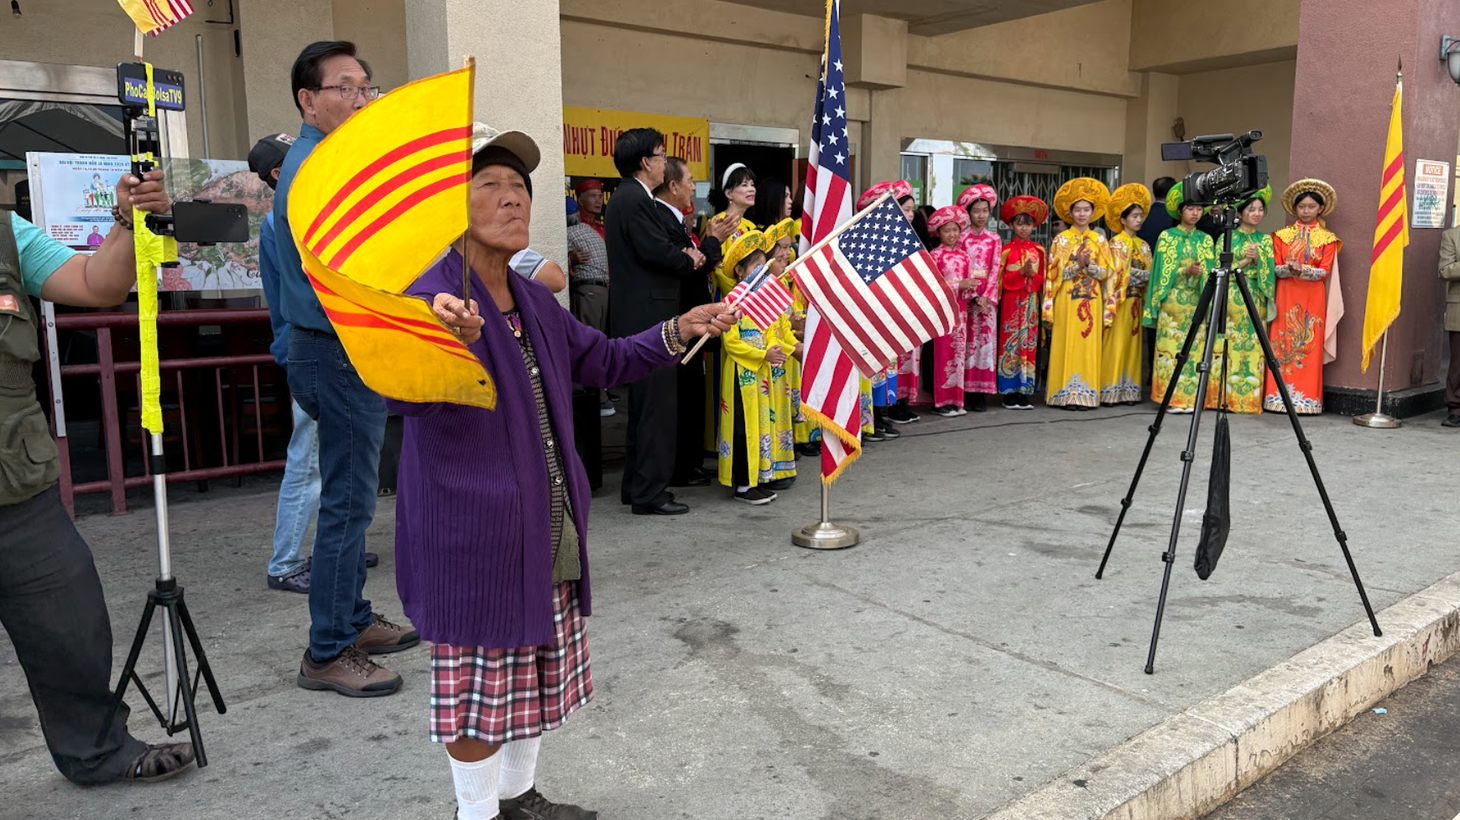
(606,409)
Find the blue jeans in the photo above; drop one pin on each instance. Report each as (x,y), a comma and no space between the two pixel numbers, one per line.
(351,421)
(298,495)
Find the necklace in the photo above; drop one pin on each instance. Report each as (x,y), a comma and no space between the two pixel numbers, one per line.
(514,322)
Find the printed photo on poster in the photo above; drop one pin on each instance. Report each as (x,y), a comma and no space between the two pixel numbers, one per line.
(79,191)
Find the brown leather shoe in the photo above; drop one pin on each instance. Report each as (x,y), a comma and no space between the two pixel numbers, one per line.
(352,674)
(384,637)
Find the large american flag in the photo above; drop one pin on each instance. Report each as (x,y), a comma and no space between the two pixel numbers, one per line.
(829,387)
(761,296)
(877,289)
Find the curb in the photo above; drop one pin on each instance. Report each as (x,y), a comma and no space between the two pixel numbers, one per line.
(1195,761)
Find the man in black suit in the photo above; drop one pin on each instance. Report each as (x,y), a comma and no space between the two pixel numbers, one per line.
(676,194)
(649,265)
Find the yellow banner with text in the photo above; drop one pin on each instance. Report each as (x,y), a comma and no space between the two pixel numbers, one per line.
(589,134)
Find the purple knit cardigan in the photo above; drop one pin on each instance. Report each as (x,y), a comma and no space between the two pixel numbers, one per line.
(472,532)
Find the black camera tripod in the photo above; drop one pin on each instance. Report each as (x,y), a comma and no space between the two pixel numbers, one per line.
(1213,311)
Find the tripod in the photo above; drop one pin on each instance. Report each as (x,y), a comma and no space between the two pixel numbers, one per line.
(1211,308)
(167,595)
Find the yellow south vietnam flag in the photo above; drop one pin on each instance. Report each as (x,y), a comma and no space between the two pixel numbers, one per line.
(375,203)
(1391,235)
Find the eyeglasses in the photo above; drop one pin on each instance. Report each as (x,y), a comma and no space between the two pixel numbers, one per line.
(350,92)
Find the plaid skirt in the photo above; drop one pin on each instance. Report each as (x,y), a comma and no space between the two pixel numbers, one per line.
(500,695)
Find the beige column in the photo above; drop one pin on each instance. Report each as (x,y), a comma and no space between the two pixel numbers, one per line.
(519,85)
(881,157)
(272,33)
(1148,123)
(874,50)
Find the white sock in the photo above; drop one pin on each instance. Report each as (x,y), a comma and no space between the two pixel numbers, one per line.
(476,787)
(519,766)
(743,488)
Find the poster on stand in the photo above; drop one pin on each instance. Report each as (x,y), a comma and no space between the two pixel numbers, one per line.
(73,196)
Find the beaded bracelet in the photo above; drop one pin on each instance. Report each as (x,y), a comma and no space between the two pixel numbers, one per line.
(669,332)
(119,219)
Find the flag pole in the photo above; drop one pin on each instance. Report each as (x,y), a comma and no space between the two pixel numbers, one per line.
(469,62)
(798,260)
(1378,419)
(825,535)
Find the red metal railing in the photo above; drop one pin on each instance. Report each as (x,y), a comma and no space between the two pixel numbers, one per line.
(186,390)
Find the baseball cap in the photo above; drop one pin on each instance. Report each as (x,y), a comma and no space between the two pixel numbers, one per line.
(521,145)
(268,154)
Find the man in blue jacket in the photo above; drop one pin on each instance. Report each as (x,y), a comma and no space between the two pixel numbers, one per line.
(330,83)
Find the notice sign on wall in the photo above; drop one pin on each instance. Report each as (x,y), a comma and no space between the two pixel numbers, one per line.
(1431,193)
(589,134)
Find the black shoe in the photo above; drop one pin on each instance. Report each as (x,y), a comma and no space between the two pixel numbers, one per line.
(1011,402)
(890,432)
(811,449)
(372,560)
(670,507)
(533,806)
(296,581)
(699,479)
(1453,420)
(781,484)
(900,414)
(973,402)
(755,496)
(875,435)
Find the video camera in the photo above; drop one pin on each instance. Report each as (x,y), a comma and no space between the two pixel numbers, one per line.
(200,221)
(1240,175)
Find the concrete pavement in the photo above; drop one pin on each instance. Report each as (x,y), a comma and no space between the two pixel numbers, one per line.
(959,659)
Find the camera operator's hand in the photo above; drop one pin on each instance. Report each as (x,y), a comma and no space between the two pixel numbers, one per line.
(146,194)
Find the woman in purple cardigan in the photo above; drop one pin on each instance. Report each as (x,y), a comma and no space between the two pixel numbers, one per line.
(492,507)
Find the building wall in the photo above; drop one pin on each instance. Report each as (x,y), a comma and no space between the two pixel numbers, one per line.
(378,28)
(687,75)
(1343,91)
(1236,100)
(1177,37)
(941,106)
(99,33)
(1085,48)
(735,64)
(272,33)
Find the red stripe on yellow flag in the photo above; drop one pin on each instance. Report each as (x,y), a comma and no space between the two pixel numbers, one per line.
(376,202)
(1391,235)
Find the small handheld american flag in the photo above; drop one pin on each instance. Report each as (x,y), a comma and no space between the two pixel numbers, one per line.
(877,288)
(761,296)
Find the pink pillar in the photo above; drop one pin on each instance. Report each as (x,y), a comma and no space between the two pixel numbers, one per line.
(1347,54)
